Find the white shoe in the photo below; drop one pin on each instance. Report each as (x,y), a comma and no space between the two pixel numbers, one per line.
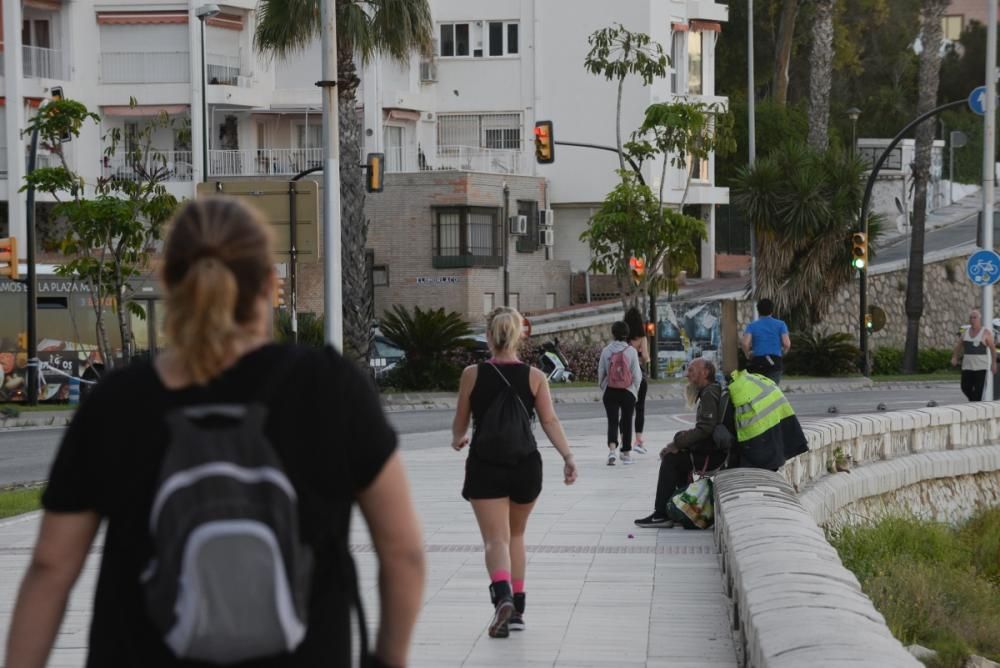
(626,458)
(639,449)
(611,457)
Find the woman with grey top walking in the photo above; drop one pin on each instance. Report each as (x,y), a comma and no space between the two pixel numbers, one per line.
(619,377)
(979,354)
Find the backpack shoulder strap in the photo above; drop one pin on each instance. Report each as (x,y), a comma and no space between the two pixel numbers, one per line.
(518,396)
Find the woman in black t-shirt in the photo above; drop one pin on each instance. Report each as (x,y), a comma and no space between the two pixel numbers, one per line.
(503,495)
(323,420)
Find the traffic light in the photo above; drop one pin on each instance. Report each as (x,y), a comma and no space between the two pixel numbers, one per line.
(544,143)
(374,171)
(869,324)
(859,251)
(278,301)
(22,341)
(638,267)
(650,328)
(56,94)
(8,258)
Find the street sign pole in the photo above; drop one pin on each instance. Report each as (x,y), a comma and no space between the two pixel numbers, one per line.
(333,302)
(989,162)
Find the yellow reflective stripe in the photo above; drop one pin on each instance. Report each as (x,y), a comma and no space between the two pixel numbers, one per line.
(762,415)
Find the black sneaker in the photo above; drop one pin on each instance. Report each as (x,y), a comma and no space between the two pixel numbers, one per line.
(655,521)
(500,624)
(516,622)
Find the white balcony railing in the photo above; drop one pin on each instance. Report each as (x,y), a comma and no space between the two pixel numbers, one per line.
(224,70)
(42,63)
(145,67)
(461,158)
(170,165)
(263,161)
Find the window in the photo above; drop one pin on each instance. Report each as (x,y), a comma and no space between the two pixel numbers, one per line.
(466,237)
(694,52)
(515,300)
(502,131)
(951,26)
(309,136)
(454,39)
(380,275)
(550,300)
(392,142)
(497,36)
(489,301)
(678,49)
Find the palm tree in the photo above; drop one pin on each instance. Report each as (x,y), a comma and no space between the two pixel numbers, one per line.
(803,204)
(928,78)
(821,74)
(393,28)
(783,51)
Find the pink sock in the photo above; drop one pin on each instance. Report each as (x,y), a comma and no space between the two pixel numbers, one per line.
(518,586)
(500,576)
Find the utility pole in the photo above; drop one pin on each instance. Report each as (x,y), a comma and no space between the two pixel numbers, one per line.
(989,162)
(333,288)
(751,144)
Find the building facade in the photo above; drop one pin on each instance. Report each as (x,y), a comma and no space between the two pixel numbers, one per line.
(498,67)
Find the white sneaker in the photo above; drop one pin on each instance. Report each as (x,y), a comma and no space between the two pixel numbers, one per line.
(626,458)
(639,449)
(611,457)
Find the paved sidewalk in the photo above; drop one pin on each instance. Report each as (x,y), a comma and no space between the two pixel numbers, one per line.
(596,597)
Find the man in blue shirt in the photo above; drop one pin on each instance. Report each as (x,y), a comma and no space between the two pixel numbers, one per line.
(765,342)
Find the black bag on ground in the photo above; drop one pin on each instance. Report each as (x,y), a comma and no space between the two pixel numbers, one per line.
(229,578)
(504,435)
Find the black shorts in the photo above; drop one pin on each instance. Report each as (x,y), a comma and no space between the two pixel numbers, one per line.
(522,482)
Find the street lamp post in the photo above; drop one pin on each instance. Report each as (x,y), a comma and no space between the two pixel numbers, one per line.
(751,144)
(204,12)
(853,113)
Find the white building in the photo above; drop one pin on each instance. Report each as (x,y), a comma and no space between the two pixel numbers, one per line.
(263,116)
(501,65)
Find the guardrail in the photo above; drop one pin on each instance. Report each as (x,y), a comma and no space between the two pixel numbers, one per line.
(43,63)
(263,161)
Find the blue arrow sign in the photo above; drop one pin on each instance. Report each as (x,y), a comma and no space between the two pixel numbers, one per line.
(977,100)
(983,267)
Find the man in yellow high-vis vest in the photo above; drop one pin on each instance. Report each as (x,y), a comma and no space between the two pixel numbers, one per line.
(767,430)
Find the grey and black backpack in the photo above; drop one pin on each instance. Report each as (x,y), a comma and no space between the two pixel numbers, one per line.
(229,578)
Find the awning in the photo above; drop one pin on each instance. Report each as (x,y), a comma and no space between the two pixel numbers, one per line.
(144,110)
(679,27)
(402,115)
(142,18)
(706,26)
(45,5)
(227,21)
(33,102)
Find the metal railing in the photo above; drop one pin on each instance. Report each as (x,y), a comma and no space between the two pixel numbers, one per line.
(43,63)
(225,70)
(263,161)
(165,165)
(459,158)
(145,67)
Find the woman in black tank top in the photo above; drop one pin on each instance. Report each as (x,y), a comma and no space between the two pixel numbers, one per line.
(503,494)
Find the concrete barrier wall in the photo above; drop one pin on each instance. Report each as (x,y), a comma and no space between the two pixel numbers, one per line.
(790,591)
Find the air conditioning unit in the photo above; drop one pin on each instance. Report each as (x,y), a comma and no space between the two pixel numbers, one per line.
(546,217)
(519,225)
(428,71)
(546,237)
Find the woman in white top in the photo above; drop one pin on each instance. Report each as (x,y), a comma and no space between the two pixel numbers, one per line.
(975,345)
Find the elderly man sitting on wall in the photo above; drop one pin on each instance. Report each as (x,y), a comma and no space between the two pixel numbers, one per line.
(691,447)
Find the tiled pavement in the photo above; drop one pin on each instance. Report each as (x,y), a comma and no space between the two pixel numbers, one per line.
(596,596)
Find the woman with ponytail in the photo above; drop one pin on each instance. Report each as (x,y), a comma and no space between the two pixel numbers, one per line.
(315,407)
(503,491)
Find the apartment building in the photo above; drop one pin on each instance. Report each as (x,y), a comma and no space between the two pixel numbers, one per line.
(498,67)
(262,115)
(959,14)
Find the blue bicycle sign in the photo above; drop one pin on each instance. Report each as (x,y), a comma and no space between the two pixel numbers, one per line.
(983,267)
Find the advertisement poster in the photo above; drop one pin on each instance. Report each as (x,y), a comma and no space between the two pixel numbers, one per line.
(684,331)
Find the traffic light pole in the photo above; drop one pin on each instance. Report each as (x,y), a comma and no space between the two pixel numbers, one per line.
(30,280)
(863,222)
(614,150)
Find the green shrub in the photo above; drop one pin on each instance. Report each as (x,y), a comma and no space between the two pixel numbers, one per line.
(310,329)
(426,337)
(936,586)
(820,354)
(888,360)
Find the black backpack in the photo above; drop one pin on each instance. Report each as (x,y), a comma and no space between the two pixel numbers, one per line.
(504,435)
(724,432)
(229,579)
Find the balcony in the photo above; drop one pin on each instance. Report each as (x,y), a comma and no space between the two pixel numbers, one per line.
(143,67)
(458,158)
(168,165)
(42,63)
(263,161)
(223,70)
